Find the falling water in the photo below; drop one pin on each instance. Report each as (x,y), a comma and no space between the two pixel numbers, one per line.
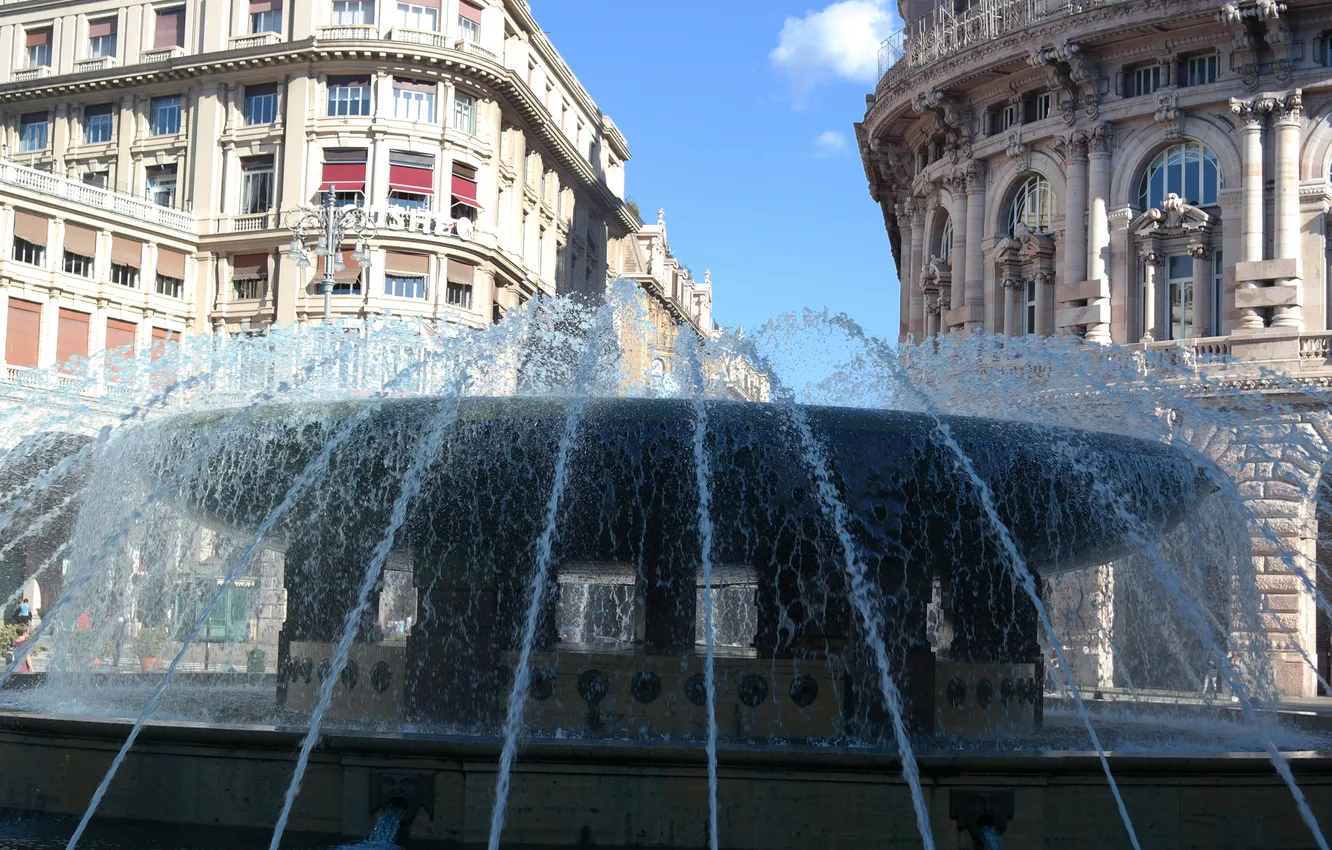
(522,674)
(386,828)
(990,836)
(427,450)
(703,475)
(312,471)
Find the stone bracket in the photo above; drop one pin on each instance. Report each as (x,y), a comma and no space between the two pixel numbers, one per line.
(414,790)
(1267,296)
(1260,270)
(975,810)
(1082,291)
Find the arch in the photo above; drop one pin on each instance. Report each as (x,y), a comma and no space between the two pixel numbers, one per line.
(1010,176)
(1139,147)
(1316,146)
(1187,169)
(940,243)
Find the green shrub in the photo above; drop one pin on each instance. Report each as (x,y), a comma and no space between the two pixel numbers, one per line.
(8,633)
(150,642)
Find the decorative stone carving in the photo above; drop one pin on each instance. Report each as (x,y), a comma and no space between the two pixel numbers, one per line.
(1043,278)
(1279,39)
(1151,255)
(1174,217)
(950,119)
(1250,112)
(1072,146)
(1018,152)
(1032,244)
(1168,115)
(1100,138)
(1289,108)
(1073,71)
(975,172)
(1012,283)
(1200,251)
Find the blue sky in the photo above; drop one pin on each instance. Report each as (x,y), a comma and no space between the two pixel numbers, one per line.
(739,114)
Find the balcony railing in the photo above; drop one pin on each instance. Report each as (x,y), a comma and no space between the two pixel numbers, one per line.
(410,36)
(253,222)
(945,32)
(96,63)
(258,39)
(161,54)
(475,49)
(352,32)
(27,75)
(57,186)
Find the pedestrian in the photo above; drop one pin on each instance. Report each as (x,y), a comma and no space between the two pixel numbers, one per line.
(1210,676)
(19,640)
(24,613)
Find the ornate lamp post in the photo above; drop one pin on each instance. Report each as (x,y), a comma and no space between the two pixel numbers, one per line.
(329,226)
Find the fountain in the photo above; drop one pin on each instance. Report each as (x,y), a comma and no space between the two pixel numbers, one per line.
(492,588)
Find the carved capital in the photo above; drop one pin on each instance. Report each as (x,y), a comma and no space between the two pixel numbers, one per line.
(1288,109)
(975,172)
(1044,279)
(1251,112)
(1151,256)
(1199,251)
(1073,146)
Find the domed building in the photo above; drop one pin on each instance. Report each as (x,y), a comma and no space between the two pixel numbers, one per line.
(1148,174)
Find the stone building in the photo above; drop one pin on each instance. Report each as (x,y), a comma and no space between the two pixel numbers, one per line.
(1148,174)
(153,152)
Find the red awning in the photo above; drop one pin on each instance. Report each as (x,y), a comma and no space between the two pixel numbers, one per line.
(408,179)
(464,190)
(346,176)
(468,11)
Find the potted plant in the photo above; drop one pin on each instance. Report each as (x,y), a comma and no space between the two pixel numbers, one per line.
(148,644)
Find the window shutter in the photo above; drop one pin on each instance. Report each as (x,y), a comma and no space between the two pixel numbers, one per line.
(102,28)
(261,90)
(36,38)
(414,86)
(171,263)
(461,272)
(126,252)
(468,11)
(408,264)
(170,29)
(120,334)
(257,6)
(71,335)
(80,240)
(249,266)
(30,227)
(23,331)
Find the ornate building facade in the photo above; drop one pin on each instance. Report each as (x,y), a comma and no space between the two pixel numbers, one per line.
(153,153)
(1148,174)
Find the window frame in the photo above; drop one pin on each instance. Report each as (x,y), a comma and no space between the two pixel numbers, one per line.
(155,184)
(93,120)
(344,97)
(41,138)
(468,113)
(459,295)
(404,284)
(258,21)
(267,101)
(123,274)
(97,46)
(407,10)
(257,171)
(1047,208)
(71,262)
(161,114)
(341,9)
(1164,162)
(28,253)
(1145,80)
(407,101)
(1188,299)
(1044,105)
(38,55)
(175,285)
(1210,67)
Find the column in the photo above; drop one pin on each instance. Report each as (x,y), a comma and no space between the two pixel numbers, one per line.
(974,292)
(1075,237)
(916,221)
(1011,286)
(1152,260)
(290,278)
(206,190)
(1250,113)
(957,252)
(204,269)
(1286,215)
(1202,289)
(1099,140)
(931,315)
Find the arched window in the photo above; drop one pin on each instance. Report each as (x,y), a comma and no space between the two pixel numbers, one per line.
(1189,170)
(946,241)
(1034,206)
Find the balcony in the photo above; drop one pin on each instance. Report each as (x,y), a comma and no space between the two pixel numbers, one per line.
(27,75)
(349,32)
(475,49)
(162,54)
(96,63)
(258,39)
(57,186)
(946,32)
(253,222)
(425,37)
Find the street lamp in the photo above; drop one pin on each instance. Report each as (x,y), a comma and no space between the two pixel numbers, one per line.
(329,226)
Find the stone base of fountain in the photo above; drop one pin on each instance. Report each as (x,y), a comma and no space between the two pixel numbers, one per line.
(576,794)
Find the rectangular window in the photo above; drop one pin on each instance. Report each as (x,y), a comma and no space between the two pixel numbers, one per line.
(464,196)
(23,331)
(1009,116)
(1179,298)
(469,22)
(348,96)
(460,295)
(1201,70)
(344,172)
(1146,80)
(261,104)
(29,252)
(419,16)
(414,101)
(346,273)
(120,334)
(71,337)
(160,185)
(164,115)
(256,185)
(170,30)
(102,38)
(265,16)
(1218,292)
(172,287)
(1029,307)
(100,179)
(78,264)
(229,621)
(97,124)
(249,276)
(411,179)
(39,48)
(408,200)
(404,286)
(350,13)
(1044,103)
(123,275)
(34,131)
(464,113)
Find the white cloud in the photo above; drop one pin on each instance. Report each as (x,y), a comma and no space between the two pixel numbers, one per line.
(830,143)
(841,41)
